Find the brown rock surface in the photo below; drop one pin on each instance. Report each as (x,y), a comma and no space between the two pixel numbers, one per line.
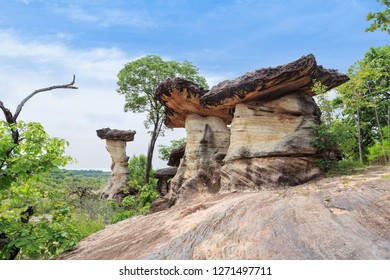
(272,82)
(181,98)
(335,218)
(164,176)
(267,173)
(176,156)
(116,134)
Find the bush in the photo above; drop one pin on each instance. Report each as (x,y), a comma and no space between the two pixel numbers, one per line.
(325,142)
(136,205)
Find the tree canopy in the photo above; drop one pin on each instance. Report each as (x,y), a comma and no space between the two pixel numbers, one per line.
(364,100)
(381,19)
(138,81)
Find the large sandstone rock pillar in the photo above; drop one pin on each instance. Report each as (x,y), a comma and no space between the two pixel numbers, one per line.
(199,170)
(117,187)
(270,144)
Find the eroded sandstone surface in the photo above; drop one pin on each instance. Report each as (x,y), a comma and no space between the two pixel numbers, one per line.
(345,217)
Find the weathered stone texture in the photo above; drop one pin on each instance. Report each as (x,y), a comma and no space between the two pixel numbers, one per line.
(267,173)
(272,82)
(182,98)
(116,134)
(117,182)
(164,176)
(117,187)
(274,128)
(199,170)
(334,218)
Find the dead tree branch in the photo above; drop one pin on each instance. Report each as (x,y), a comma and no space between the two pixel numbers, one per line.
(20,106)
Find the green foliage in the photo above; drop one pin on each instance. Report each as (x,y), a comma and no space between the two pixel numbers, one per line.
(47,233)
(137,169)
(381,19)
(138,204)
(165,150)
(379,153)
(34,154)
(326,105)
(345,167)
(34,223)
(87,226)
(364,101)
(139,79)
(345,136)
(325,142)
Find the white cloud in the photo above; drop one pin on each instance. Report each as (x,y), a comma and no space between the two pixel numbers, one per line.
(74,114)
(107,17)
(70,114)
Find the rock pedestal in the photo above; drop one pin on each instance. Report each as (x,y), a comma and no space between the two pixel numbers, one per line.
(117,187)
(199,170)
(270,144)
(271,112)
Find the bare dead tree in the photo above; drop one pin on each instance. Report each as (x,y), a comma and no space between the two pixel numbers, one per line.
(11,118)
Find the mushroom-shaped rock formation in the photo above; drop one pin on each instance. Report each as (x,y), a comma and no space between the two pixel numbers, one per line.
(176,156)
(164,175)
(117,187)
(271,111)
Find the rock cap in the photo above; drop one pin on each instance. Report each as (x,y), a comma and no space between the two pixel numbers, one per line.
(181,97)
(116,134)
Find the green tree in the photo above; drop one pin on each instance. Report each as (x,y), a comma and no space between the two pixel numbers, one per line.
(137,169)
(138,81)
(324,102)
(27,152)
(381,19)
(165,150)
(364,100)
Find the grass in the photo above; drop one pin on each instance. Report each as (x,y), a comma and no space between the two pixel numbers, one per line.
(385,177)
(345,167)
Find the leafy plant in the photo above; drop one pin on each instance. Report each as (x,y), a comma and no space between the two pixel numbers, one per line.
(165,150)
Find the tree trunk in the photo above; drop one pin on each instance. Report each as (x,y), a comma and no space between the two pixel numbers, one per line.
(359,136)
(149,159)
(156,132)
(388,122)
(380,134)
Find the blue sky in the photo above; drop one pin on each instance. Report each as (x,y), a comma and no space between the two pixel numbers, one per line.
(44,42)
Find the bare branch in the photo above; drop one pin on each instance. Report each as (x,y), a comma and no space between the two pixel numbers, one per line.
(20,106)
(7,113)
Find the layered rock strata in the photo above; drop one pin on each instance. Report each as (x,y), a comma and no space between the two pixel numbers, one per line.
(199,170)
(117,187)
(270,111)
(270,144)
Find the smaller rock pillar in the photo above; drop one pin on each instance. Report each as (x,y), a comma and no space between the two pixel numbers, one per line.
(117,187)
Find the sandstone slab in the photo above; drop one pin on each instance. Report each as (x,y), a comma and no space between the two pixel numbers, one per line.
(342,218)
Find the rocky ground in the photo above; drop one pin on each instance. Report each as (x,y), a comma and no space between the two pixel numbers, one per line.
(344,217)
